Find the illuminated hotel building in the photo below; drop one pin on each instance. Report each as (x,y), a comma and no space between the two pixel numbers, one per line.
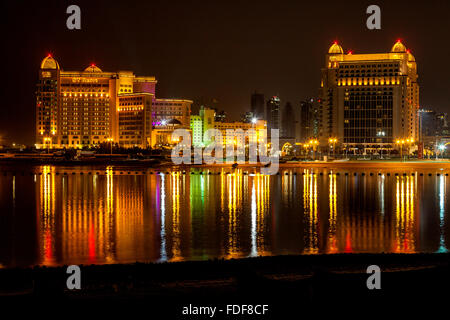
(85,108)
(369,100)
(135,119)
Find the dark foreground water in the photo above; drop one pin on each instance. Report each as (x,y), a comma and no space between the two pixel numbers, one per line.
(53,215)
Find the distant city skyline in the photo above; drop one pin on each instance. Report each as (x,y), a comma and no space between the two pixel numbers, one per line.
(223,51)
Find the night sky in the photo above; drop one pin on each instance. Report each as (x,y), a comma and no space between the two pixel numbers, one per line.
(214,49)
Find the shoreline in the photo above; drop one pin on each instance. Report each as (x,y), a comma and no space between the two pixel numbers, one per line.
(7,163)
(309,276)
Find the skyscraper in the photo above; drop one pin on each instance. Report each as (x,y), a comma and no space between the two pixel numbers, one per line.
(257,105)
(369,100)
(273,113)
(307,125)
(288,121)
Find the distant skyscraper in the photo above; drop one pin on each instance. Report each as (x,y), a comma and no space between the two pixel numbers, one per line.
(288,121)
(220,116)
(257,105)
(428,123)
(273,113)
(307,126)
(442,124)
(248,117)
(369,100)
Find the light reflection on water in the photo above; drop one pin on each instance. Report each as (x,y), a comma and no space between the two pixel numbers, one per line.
(54,218)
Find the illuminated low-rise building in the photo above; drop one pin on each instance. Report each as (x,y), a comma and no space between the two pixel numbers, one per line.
(367,101)
(165,110)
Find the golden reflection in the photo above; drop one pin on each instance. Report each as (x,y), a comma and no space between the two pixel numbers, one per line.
(129,218)
(47,214)
(310,211)
(286,187)
(332,195)
(176,233)
(87,219)
(234,182)
(260,209)
(405,215)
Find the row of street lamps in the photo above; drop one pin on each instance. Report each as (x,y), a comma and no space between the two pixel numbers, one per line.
(332,142)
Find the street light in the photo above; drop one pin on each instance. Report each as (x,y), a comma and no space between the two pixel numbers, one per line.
(333,141)
(314,143)
(110,143)
(442,149)
(47,141)
(401,142)
(306,146)
(409,141)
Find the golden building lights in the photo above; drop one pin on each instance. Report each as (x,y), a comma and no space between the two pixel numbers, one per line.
(379,90)
(84,108)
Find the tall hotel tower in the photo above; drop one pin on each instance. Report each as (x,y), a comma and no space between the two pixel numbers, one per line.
(368,101)
(85,108)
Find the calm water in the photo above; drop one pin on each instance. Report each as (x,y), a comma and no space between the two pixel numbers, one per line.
(49,216)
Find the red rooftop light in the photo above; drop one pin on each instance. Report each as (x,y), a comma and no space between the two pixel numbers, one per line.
(350,52)
(335,42)
(49,55)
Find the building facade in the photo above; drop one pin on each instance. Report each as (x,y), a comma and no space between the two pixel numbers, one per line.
(288,121)
(165,110)
(273,113)
(367,101)
(206,120)
(76,109)
(307,124)
(134,116)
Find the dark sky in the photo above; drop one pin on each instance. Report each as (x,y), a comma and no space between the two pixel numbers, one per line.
(213,49)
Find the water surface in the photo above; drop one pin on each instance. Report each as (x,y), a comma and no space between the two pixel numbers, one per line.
(54,215)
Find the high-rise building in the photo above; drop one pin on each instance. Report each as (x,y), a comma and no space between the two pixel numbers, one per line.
(367,101)
(273,113)
(75,109)
(442,124)
(428,123)
(307,126)
(257,105)
(288,121)
(197,130)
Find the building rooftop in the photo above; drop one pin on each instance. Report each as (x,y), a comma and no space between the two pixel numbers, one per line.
(49,63)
